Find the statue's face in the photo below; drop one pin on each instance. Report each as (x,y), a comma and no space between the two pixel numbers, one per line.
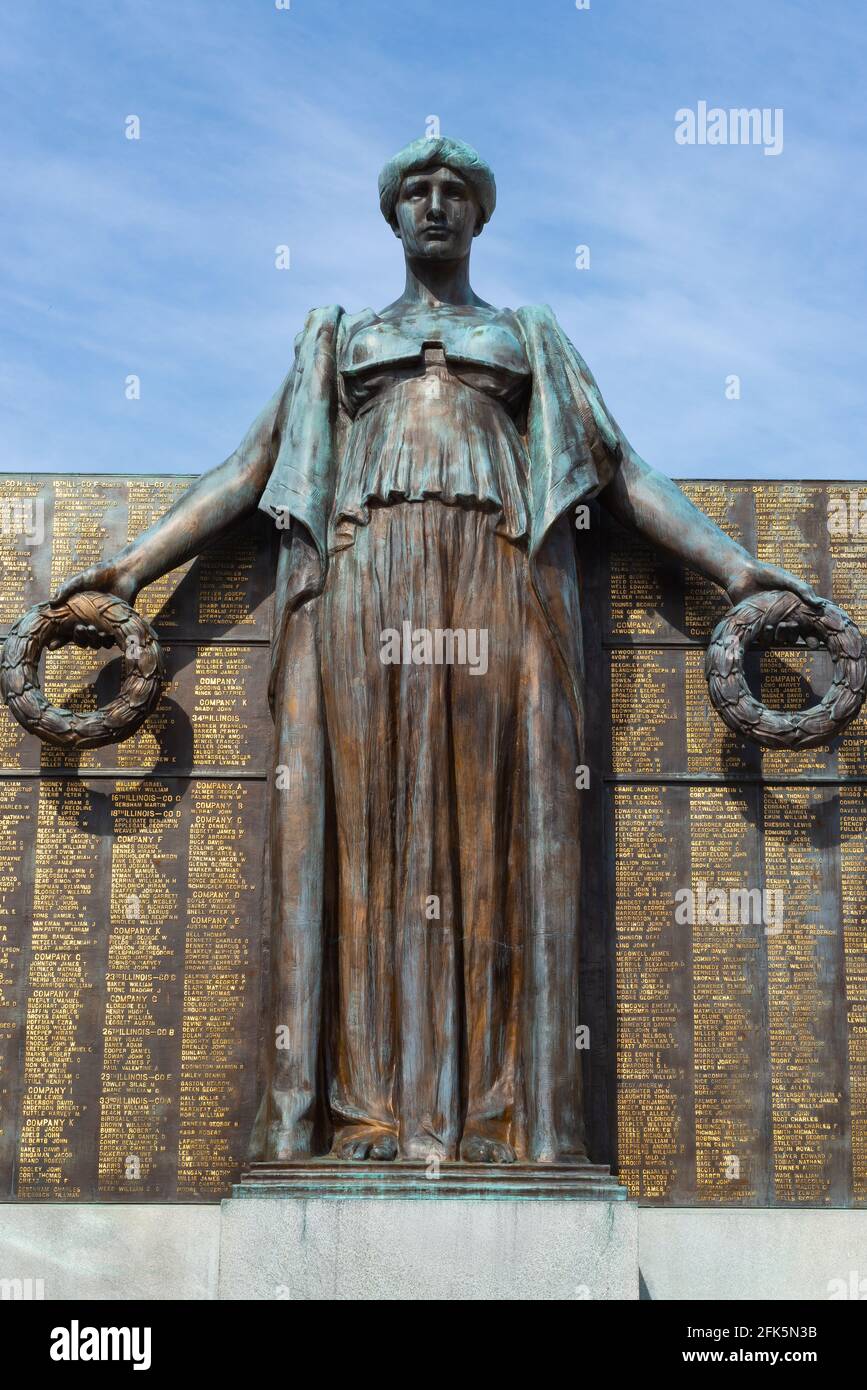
(437,215)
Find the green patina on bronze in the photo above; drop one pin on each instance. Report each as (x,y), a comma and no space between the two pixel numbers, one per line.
(422,464)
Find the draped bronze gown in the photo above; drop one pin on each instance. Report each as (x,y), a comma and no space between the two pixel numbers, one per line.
(450,1001)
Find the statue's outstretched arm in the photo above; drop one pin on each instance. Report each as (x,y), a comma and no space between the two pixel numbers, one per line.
(654,505)
(210,506)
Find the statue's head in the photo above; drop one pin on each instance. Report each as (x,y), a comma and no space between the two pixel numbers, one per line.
(436,195)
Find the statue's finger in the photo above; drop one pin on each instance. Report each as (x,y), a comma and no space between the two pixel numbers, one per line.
(806,592)
(65,590)
(785,580)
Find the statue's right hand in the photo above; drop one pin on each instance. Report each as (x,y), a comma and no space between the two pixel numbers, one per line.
(105,579)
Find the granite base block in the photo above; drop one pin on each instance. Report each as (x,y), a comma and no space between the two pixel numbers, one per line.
(729,1253)
(299,1248)
(84,1250)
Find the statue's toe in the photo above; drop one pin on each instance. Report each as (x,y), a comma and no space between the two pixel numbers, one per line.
(477,1148)
(369,1142)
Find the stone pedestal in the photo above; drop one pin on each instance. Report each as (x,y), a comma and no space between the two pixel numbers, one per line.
(73,1251)
(395,1232)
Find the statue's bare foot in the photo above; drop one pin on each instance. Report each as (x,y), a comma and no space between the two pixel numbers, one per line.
(371,1142)
(478,1148)
(420,1148)
(288,1142)
(279,1134)
(572,1158)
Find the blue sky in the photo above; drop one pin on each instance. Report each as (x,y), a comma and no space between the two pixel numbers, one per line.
(261,127)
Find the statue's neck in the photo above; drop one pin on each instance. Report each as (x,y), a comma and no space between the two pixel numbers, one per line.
(431,283)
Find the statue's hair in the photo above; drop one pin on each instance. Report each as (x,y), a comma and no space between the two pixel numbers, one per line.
(429,153)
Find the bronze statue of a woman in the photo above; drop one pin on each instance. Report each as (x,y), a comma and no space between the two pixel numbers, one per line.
(423,465)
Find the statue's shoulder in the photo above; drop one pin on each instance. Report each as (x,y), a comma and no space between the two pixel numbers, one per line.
(332,319)
(537,316)
(542,332)
(349,322)
(328,323)
(540,325)
(317,317)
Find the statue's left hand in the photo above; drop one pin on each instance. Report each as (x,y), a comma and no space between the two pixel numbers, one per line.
(110,577)
(753,576)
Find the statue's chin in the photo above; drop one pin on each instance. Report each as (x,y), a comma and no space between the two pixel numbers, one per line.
(435,251)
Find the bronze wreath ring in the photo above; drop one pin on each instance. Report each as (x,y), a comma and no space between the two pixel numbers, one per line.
(732,698)
(114,722)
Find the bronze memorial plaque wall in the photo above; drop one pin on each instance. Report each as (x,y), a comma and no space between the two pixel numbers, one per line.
(131,877)
(728,1043)
(729,975)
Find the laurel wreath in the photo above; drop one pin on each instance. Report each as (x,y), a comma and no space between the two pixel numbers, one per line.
(114,722)
(732,698)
